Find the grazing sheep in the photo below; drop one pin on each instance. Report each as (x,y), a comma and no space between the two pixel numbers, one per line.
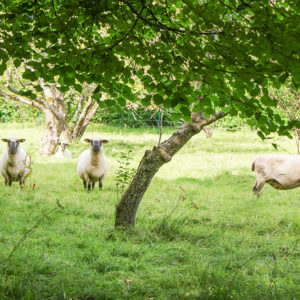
(63,151)
(92,164)
(14,163)
(280,171)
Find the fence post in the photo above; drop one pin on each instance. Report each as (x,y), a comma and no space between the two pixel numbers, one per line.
(158,122)
(121,122)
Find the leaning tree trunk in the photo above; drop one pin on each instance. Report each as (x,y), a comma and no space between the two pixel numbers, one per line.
(80,130)
(54,129)
(150,164)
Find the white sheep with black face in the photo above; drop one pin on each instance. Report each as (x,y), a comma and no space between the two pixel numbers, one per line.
(14,162)
(92,164)
(62,151)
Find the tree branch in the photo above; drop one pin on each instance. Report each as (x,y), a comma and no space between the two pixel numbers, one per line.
(37,102)
(21,99)
(78,109)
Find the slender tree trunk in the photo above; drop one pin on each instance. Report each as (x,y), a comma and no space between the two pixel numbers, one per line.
(150,164)
(67,134)
(88,117)
(88,112)
(209,130)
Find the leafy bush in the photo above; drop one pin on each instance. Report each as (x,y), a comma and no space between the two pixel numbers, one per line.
(133,117)
(17,112)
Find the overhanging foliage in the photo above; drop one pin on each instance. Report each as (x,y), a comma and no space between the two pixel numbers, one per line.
(234,49)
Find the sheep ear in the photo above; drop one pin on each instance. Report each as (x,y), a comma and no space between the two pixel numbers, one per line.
(87,140)
(5,140)
(59,143)
(105,141)
(21,140)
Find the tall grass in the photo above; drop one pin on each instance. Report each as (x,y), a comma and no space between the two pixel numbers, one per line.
(199,234)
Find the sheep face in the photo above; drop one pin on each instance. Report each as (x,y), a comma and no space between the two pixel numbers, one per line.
(96,144)
(13,144)
(63,146)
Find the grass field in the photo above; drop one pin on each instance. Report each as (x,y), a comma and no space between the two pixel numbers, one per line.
(199,234)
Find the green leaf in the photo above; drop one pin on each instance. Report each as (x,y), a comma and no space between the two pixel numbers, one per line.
(78,88)
(29,75)
(121,101)
(175,116)
(97,96)
(261,135)
(283,78)
(38,88)
(158,99)
(146,101)
(185,110)
(17,62)
(97,89)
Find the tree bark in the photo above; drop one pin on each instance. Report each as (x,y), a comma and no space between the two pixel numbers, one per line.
(54,129)
(150,164)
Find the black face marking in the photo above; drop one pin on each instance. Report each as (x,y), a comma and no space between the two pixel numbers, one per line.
(96,145)
(13,146)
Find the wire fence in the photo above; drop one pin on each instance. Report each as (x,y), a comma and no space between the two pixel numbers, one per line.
(155,122)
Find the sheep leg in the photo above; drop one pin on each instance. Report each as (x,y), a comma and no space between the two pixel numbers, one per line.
(93,185)
(89,186)
(9,181)
(100,183)
(6,181)
(22,182)
(84,183)
(257,188)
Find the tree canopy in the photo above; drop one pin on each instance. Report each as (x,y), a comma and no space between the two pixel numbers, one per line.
(216,54)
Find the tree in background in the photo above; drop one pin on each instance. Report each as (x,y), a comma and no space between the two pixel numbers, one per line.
(66,114)
(212,54)
(289,106)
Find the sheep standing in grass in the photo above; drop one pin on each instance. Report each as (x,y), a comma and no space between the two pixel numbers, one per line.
(14,163)
(92,164)
(280,171)
(63,151)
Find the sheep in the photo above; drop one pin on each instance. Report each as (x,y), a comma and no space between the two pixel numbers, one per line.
(63,151)
(14,162)
(280,171)
(92,164)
